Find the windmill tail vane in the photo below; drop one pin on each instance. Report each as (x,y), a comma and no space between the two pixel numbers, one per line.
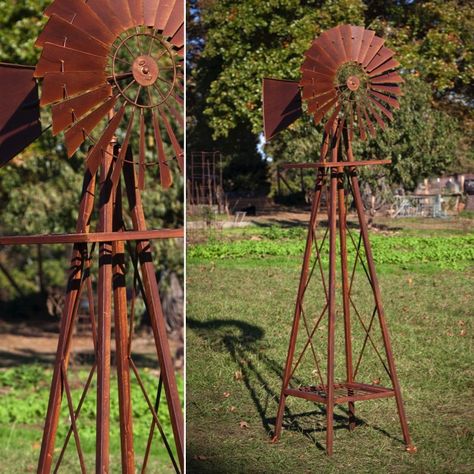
(349,85)
(112,74)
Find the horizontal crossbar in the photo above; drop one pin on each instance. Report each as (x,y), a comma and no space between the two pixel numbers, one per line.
(334,164)
(124,236)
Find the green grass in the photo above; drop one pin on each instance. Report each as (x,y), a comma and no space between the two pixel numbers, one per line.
(23,407)
(239,316)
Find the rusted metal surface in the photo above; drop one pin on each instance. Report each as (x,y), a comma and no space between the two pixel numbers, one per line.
(343,100)
(103,63)
(19,110)
(282,105)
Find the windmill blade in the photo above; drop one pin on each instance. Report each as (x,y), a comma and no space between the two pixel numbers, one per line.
(346,35)
(360,121)
(330,122)
(95,155)
(392,64)
(367,38)
(281,105)
(178,39)
(370,125)
(62,33)
(83,17)
(374,48)
(136,11)
(76,135)
(69,111)
(150,8)
(104,9)
(56,58)
(382,108)
(390,78)
(383,55)
(322,111)
(169,130)
(163,14)
(57,85)
(319,54)
(387,99)
(334,41)
(357,34)
(391,89)
(175,20)
(165,173)
(377,117)
(123,13)
(19,110)
(318,102)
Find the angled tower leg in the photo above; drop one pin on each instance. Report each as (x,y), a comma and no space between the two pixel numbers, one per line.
(378,300)
(79,256)
(152,297)
(121,342)
(104,292)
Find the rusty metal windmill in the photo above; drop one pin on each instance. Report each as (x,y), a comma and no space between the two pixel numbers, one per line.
(350,85)
(107,68)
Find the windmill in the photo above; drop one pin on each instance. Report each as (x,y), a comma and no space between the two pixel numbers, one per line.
(107,69)
(349,84)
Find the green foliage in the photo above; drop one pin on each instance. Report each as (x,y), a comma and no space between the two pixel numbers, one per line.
(400,250)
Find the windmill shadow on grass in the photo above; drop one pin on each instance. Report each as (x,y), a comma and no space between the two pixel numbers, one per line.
(240,339)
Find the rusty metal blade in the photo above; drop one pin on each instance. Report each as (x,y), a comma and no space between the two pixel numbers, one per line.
(122,12)
(391,89)
(100,147)
(123,152)
(357,34)
(391,64)
(142,152)
(281,105)
(19,110)
(180,51)
(387,99)
(56,58)
(59,31)
(106,9)
(332,118)
(370,125)
(175,20)
(318,75)
(377,117)
(312,66)
(367,38)
(326,43)
(383,55)
(346,35)
(318,53)
(390,78)
(165,173)
(374,48)
(318,102)
(169,130)
(382,108)
(82,16)
(77,134)
(321,112)
(69,111)
(178,116)
(136,11)
(335,37)
(149,11)
(316,89)
(56,84)
(178,39)
(163,13)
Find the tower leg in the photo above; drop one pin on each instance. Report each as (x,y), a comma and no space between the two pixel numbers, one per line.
(345,290)
(299,302)
(378,302)
(121,343)
(332,220)
(152,297)
(104,291)
(79,254)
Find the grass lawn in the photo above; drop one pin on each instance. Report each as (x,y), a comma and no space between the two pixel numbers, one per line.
(239,314)
(24,397)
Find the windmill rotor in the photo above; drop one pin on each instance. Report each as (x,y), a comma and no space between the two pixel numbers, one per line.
(348,76)
(119,61)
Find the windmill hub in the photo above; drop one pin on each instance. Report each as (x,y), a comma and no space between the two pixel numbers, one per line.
(145,70)
(353,83)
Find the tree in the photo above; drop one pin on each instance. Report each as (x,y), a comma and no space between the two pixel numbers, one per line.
(243,42)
